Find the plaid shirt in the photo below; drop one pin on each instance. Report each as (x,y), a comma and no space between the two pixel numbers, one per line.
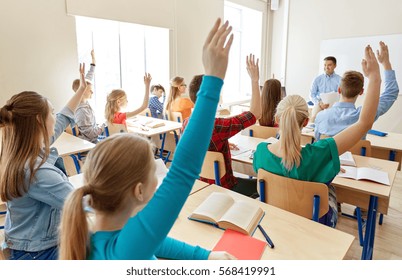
(225,128)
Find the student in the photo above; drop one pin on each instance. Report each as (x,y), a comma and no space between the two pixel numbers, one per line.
(132,221)
(344,113)
(177,103)
(271,95)
(33,187)
(317,162)
(85,115)
(224,128)
(327,82)
(156,106)
(117,100)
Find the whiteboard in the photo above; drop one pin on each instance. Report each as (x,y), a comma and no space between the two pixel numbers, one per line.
(349,53)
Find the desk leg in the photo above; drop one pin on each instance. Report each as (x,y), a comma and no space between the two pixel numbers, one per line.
(368,245)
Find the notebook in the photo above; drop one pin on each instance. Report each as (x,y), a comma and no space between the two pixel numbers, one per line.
(243,247)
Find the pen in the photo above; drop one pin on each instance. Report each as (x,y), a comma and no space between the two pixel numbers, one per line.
(269,241)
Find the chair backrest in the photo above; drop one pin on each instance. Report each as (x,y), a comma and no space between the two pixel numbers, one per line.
(263,131)
(146,112)
(72,130)
(362,148)
(213,167)
(223,112)
(114,128)
(293,195)
(174,116)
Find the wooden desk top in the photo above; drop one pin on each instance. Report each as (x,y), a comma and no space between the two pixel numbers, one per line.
(68,144)
(369,187)
(295,237)
(134,126)
(393,141)
(78,180)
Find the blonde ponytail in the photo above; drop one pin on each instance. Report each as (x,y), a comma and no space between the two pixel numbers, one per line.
(74,234)
(292,111)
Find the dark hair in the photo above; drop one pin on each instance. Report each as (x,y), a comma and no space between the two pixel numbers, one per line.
(332,58)
(157,87)
(351,84)
(194,87)
(270,97)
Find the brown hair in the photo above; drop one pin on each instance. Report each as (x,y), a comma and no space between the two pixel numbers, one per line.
(157,87)
(331,58)
(174,93)
(351,84)
(24,132)
(111,104)
(111,170)
(270,97)
(292,111)
(194,87)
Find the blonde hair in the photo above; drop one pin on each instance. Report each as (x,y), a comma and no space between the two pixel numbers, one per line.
(111,104)
(292,111)
(111,170)
(174,93)
(24,133)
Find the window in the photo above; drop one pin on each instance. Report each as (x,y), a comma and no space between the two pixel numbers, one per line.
(124,52)
(247,30)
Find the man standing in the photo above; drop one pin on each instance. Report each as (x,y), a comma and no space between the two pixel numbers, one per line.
(327,82)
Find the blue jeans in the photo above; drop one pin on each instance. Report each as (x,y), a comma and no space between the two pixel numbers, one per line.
(48,254)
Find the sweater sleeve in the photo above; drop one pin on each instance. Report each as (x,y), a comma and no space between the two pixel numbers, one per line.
(144,233)
(177,250)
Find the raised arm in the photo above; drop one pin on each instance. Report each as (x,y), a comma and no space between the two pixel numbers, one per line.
(75,100)
(91,73)
(350,136)
(254,73)
(162,210)
(147,82)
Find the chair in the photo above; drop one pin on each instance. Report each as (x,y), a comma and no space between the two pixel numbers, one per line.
(3,211)
(174,116)
(362,148)
(72,130)
(213,167)
(114,128)
(146,112)
(306,199)
(263,131)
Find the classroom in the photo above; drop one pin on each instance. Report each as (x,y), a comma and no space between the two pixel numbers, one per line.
(40,52)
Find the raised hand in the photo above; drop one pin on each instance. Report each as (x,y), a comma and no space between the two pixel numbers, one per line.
(93,57)
(370,64)
(147,79)
(215,53)
(83,83)
(383,56)
(221,255)
(252,68)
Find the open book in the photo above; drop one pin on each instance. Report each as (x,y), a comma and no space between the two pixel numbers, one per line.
(145,124)
(365,173)
(223,211)
(347,159)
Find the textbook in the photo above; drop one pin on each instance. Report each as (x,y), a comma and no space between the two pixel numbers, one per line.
(223,211)
(242,246)
(365,173)
(347,159)
(145,124)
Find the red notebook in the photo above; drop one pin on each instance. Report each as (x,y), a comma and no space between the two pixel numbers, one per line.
(243,247)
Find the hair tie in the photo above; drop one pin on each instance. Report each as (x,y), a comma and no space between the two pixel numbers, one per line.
(87,189)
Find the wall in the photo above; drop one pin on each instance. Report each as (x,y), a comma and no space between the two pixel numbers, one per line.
(311,21)
(38,50)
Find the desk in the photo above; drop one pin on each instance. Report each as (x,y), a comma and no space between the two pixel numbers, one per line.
(387,147)
(78,180)
(369,195)
(242,163)
(295,237)
(68,144)
(134,126)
